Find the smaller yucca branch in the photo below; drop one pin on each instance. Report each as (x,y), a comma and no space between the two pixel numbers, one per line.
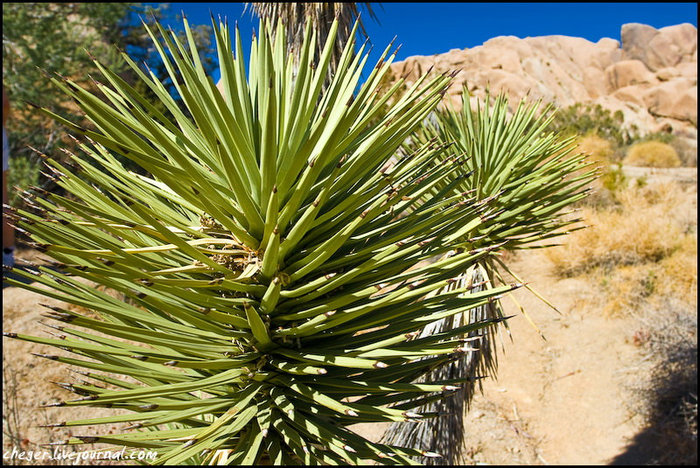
(529,178)
(274,270)
(531,174)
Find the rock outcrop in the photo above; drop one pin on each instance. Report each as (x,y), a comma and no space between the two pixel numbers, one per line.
(651,77)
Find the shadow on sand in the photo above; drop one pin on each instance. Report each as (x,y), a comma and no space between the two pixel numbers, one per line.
(671,435)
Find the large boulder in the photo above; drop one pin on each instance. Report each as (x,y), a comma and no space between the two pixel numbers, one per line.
(659,48)
(651,77)
(626,73)
(684,37)
(675,99)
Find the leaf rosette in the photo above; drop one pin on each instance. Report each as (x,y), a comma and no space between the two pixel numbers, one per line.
(274,265)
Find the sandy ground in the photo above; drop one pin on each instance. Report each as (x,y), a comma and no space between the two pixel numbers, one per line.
(559,400)
(568,398)
(563,400)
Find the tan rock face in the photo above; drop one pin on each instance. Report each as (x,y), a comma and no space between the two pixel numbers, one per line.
(637,42)
(651,77)
(628,72)
(675,99)
(666,74)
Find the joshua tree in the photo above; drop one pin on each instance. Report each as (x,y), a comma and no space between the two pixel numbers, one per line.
(530,176)
(273,264)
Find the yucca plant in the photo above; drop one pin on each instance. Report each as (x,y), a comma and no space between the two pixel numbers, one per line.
(273,266)
(530,176)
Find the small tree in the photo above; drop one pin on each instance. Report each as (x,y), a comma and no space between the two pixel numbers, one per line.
(55,37)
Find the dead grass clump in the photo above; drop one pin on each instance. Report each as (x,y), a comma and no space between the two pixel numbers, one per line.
(597,149)
(642,252)
(615,239)
(652,154)
(628,288)
(640,230)
(678,273)
(633,286)
(668,195)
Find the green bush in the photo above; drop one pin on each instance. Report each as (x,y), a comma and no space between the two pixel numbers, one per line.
(23,173)
(663,137)
(582,119)
(614,179)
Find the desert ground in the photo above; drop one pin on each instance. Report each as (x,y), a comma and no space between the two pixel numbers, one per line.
(574,391)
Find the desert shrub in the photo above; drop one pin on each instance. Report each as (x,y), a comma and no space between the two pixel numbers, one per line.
(605,188)
(679,271)
(672,401)
(629,288)
(639,230)
(613,179)
(652,154)
(597,148)
(583,119)
(663,137)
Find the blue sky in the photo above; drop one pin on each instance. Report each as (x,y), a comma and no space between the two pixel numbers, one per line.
(432,28)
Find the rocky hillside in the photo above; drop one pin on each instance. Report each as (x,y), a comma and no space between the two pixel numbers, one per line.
(651,77)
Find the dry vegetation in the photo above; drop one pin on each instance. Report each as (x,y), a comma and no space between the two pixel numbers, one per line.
(597,148)
(652,154)
(667,392)
(647,225)
(642,253)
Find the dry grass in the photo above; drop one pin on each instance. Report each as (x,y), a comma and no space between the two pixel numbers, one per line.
(631,287)
(679,272)
(639,230)
(652,154)
(642,253)
(597,148)
(628,288)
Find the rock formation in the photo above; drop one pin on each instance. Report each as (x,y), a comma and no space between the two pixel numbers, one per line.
(651,78)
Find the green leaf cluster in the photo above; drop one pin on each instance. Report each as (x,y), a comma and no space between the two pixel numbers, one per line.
(277,262)
(65,38)
(526,171)
(581,119)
